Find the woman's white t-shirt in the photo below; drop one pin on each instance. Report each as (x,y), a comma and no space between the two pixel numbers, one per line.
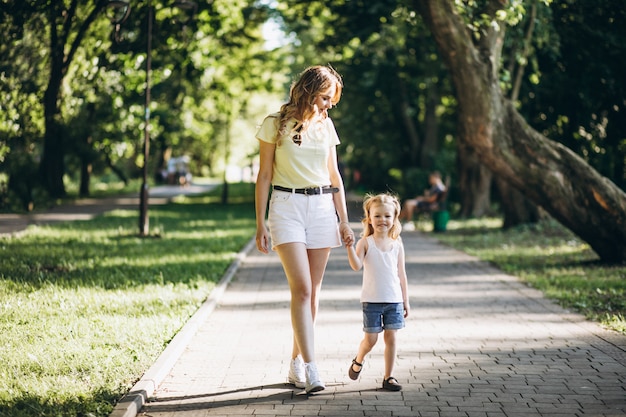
(381,282)
(304,165)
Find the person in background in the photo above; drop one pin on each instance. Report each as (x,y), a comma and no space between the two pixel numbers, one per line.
(307,213)
(384,294)
(427,202)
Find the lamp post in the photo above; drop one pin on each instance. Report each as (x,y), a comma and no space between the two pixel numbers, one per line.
(121,10)
(144,221)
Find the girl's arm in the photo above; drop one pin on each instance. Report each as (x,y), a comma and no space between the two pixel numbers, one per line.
(261,193)
(403,279)
(339,198)
(355,256)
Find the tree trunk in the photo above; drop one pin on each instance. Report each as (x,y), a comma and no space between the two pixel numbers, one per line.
(516,208)
(431,127)
(544,171)
(408,121)
(85,177)
(52,166)
(87,156)
(62,52)
(474,183)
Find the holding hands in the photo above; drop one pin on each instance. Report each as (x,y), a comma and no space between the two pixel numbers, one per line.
(347,235)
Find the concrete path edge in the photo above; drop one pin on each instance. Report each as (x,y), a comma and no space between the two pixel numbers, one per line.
(131,404)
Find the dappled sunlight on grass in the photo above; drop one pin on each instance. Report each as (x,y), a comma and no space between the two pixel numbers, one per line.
(489,223)
(149,261)
(75,299)
(553,260)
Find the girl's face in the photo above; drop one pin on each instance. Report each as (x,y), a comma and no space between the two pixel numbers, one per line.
(381,217)
(323,101)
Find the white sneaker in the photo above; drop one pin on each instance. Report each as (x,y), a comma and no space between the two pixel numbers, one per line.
(408,227)
(313,383)
(296,372)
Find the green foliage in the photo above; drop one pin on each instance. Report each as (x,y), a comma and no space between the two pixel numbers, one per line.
(551,259)
(86,307)
(394,85)
(204,76)
(209,77)
(571,58)
(22,79)
(580,99)
(565,53)
(205,73)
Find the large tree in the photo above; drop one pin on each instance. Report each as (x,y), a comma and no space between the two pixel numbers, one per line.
(396,117)
(67,25)
(73,100)
(546,172)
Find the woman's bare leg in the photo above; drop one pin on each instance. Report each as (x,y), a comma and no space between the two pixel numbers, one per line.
(305,272)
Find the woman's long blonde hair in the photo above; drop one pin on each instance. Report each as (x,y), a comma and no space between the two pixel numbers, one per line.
(303,92)
(383,198)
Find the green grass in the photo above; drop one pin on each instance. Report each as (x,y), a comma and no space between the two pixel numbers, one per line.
(86,307)
(550,258)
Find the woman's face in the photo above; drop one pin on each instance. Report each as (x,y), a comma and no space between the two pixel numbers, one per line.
(323,101)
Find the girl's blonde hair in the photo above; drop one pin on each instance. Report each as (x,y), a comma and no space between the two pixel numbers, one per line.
(312,82)
(380,199)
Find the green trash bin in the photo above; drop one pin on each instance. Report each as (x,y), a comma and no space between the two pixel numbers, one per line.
(440,220)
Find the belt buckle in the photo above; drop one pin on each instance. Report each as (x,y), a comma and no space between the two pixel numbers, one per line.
(312,191)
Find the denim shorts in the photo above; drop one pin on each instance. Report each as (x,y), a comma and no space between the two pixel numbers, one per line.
(382,316)
(308,219)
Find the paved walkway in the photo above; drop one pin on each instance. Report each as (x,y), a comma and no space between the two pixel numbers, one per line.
(477,344)
(87,208)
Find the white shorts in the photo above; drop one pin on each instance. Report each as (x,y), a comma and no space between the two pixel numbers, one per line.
(309,219)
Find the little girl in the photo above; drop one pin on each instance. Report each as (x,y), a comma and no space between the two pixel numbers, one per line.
(384,293)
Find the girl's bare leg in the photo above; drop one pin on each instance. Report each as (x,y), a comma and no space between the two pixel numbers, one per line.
(390,352)
(365,347)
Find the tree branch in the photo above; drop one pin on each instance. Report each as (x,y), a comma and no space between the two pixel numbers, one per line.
(84,27)
(545,171)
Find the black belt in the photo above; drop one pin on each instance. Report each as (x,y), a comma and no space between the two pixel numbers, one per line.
(309,190)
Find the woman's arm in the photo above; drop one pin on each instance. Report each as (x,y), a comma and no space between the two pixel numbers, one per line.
(339,198)
(261,193)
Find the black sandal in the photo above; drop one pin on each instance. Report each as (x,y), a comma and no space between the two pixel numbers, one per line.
(391,384)
(351,372)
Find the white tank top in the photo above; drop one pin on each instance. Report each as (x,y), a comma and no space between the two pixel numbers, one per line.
(381,283)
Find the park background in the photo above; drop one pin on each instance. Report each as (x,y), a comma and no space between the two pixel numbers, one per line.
(73,117)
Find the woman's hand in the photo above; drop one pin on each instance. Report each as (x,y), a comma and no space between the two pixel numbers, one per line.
(262,239)
(347,235)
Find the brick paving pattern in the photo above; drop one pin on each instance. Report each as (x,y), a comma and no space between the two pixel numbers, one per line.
(477,344)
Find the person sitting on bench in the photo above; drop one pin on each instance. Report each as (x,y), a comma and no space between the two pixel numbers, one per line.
(424,203)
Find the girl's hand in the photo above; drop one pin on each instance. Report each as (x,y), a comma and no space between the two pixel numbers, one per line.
(347,235)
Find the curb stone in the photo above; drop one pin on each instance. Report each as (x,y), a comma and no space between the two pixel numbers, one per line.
(130,405)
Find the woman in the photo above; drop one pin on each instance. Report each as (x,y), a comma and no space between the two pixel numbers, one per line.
(298,161)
